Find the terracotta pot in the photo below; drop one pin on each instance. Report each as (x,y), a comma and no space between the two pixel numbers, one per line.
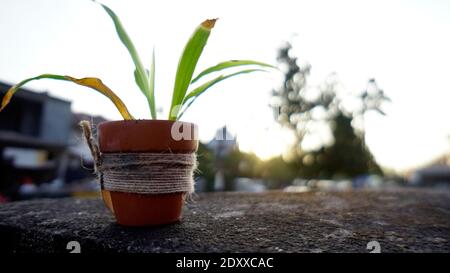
(133,209)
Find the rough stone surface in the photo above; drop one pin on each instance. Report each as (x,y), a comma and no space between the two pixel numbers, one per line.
(400,220)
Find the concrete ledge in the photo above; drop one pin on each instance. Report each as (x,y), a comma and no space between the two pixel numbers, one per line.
(401,221)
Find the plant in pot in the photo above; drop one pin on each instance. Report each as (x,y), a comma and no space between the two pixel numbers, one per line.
(145,167)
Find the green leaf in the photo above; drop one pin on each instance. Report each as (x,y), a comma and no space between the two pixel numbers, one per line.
(186,66)
(140,74)
(194,94)
(93,83)
(138,80)
(229,64)
(152,85)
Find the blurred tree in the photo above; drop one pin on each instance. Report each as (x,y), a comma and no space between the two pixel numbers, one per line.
(370,99)
(346,157)
(205,170)
(312,111)
(240,164)
(277,172)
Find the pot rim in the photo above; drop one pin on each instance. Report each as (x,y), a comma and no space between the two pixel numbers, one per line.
(147,135)
(146,121)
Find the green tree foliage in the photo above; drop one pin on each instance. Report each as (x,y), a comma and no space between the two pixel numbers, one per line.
(346,157)
(278,173)
(302,107)
(205,170)
(275,171)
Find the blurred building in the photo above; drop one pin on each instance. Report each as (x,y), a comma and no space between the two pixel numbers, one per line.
(34,133)
(435,174)
(222,145)
(40,143)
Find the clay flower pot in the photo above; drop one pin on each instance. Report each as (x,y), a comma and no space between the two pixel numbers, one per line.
(145,136)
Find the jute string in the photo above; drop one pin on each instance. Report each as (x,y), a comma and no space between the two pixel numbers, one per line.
(145,173)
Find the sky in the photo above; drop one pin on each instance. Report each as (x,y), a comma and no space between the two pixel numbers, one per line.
(404,45)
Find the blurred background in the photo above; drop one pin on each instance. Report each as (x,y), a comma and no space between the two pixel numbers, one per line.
(361,98)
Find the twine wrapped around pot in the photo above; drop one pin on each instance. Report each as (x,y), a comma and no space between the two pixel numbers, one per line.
(144,173)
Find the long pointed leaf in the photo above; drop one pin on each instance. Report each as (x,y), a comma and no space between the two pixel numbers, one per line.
(11,91)
(138,80)
(93,83)
(194,94)
(152,86)
(98,85)
(140,74)
(187,64)
(229,64)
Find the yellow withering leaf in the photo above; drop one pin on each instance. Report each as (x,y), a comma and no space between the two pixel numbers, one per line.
(98,85)
(93,83)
